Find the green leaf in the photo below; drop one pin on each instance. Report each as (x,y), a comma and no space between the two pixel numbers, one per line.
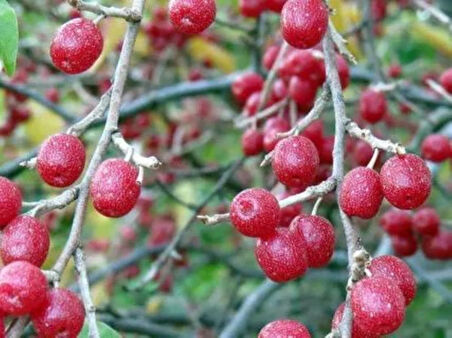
(105,331)
(9,37)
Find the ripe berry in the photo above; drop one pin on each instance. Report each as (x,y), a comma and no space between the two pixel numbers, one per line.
(282,256)
(275,5)
(396,222)
(251,8)
(255,212)
(406,181)
(114,188)
(305,65)
(356,331)
(378,9)
(272,128)
(446,80)
(284,328)
(436,148)
(279,91)
(252,104)
(394,71)
(287,214)
(22,288)
(252,142)
(343,71)
(362,153)
(76,46)
(62,315)
(302,92)
(361,193)
(314,132)
(25,239)
(439,246)
(378,305)
(61,160)
(192,16)
(245,85)
(269,57)
(397,270)
(10,201)
(162,230)
(405,245)
(295,161)
(326,150)
(304,22)
(318,234)
(372,105)
(426,221)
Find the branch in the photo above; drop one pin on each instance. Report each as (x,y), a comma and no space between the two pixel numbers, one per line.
(129,14)
(435,12)
(150,162)
(59,202)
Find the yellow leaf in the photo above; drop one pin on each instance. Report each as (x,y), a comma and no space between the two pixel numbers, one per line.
(153,305)
(437,37)
(200,49)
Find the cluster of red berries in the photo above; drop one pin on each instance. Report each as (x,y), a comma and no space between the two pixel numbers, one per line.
(284,253)
(424,226)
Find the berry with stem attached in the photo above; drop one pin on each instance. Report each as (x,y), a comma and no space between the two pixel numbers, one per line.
(252,142)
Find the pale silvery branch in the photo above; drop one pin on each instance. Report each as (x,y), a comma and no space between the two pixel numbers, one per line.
(435,86)
(273,109)
(128,14)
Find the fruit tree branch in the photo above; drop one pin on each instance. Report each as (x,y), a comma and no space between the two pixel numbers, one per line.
(129,14)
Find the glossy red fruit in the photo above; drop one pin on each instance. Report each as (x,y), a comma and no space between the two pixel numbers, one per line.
(343,71)
(282,256)
(304,22)
(326,150)
(25,239)
(302,92)
(61,160)
(252,104)
(397,270)
(295,161)
(287,214)
(361,193)
(279,91)
(62,315)
(396,222)
(362,153)
(372,105)
(378,305)
(356,331)
(10,201)
(252,142)
(255,212)
(426,221)
(270,55)
(446,80)
(20,114)
(314,132)
(283,328)
(436,148)
(114,188)
(52,95)
(192,16)
(405,245)
(22,288)
(272,128)
(275,5)
(245,85)
(76,46)
(378,9)
(439,246)
(251,8)
(395,71)
(406,181)
(318,234)
(305,65)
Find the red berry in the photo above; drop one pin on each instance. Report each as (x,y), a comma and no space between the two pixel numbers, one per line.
(25,239)
(61,160)
(378,9)
(162,230)
(302,92)
(255,212)
(362,153)
(192,16)
(439,246)
(283,328)
(326,150)
(405,245)
(314,132)
(114,188)
(397,270)
(251,8)
(395,71)
(305,65)
(356,331)
(279,91)
(76,46)
(318,234)
(272,128)
(372,105)
(304,22)
(361,193)
(52,95)
(269,57)
(426,221)
(378,305)
(22,288)
(446,80)
(396,222)
(10,201)
(287,214)
(252,104)
(62,315)
(343,71)
(252,142)
(405,108)
(20,114)
(282,256)
(436,148)
(245,85)
(275,5)
(406,181)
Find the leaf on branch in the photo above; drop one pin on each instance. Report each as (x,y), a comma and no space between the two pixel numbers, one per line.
(9,37)
(105,331)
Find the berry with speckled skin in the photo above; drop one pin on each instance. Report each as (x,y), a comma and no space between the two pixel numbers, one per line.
(114,188)
(436,148)
(426,221)
(397,270)
(396,222)
(255,212)
(76,46)
(283,328)
(192,16)
(305,65)
(362,153)
(318,234)
(245,85)
(61,160)
(405,245)
(406,181)
(287,214)
(372,105)
(361,193)
(62,315)
(446,80)
(10,201)
(25,239)
(304,22)
(275,5)
(282,256)
(22,288)
(251,8)
(295,161)
(314,132)
(252,142)
(326,150)
(302,92)
(378,305)
(272,128)
(356,331)
(439,246)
